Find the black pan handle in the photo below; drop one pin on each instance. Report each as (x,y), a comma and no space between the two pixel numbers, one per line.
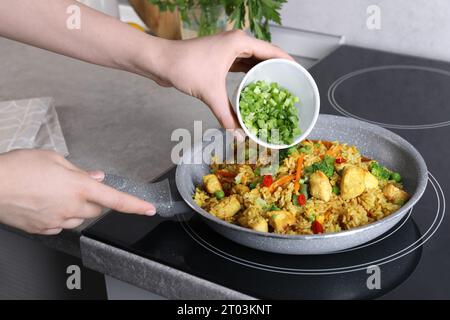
(158,193)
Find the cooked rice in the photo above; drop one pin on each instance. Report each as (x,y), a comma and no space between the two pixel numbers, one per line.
(278,211)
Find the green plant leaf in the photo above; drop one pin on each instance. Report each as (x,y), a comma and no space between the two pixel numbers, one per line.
(259,12)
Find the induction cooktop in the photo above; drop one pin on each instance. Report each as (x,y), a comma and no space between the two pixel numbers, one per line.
(408,95)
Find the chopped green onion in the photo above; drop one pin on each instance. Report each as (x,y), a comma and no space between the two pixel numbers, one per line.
(266,106)
(260,202)
(274,208)
(304,190)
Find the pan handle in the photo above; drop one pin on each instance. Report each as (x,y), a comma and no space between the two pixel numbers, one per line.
(158,193)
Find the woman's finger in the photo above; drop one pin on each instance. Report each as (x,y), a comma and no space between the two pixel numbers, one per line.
(89,210)
(108,197)
(54,231)
(97,175)
(94,174)
(261,50)
(241,66)
(72,223)
(222,109)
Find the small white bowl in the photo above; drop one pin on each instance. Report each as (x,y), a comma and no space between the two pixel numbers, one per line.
(293,77)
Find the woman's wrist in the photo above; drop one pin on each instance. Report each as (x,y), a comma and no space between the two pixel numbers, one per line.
(147,57)
(3,172)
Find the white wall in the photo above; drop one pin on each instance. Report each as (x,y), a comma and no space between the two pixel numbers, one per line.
(417,27)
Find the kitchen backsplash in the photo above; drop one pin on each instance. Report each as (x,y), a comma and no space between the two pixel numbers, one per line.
(416,27)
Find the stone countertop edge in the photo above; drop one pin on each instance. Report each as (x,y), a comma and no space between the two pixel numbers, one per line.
(150,275)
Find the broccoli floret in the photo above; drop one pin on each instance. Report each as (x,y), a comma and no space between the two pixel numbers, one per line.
(396,177)
(336,190)
(283,154)
(379,171)
(306,149)
(326,166)
(329,160)
(292,150)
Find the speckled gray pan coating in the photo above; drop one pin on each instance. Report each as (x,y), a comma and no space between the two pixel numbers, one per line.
(157,193)
(373,141)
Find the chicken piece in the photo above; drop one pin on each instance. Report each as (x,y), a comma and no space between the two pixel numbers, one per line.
(320,186)
(395,194)
(240,189)
(280,220)
(259,225)
(370,181)
(226,208)
(352,182)
(251,218)
(212,183)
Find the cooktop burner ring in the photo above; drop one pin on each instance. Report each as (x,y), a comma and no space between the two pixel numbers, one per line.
(440,213)
(335,104)
(398,227)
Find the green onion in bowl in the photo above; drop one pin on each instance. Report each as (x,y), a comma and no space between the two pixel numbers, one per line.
(267,106)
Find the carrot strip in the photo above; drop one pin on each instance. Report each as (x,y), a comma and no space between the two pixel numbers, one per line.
(280,182)
(298,173)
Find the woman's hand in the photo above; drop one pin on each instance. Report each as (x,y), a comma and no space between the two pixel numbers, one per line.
(199,67)
(41,192)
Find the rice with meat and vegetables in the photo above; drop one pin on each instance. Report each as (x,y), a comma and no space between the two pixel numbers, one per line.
(318,187)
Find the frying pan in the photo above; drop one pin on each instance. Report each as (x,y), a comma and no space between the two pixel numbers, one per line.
(373,141)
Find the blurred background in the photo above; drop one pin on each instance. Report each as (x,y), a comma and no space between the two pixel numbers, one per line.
(416,27)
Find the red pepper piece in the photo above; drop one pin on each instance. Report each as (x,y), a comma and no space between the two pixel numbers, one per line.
(317,227)
(267,181)
(301,199)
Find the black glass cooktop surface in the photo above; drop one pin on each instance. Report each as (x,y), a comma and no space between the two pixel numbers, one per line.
(405,94)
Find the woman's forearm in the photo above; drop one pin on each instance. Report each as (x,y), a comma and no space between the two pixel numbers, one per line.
(100,39)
